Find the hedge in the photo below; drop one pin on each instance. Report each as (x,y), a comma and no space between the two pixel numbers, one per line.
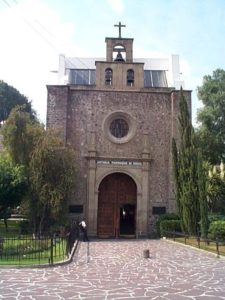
(217,230)
(169,225)
(169,216)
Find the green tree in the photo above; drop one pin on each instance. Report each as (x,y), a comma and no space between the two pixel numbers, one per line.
(216,189)
(202,183)
(211,131)
(176,166)
(13,186)
(185,172)
(53,177)
(49,167)
(21,134)
(9,98)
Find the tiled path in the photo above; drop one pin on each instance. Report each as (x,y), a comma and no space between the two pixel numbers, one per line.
(117,270)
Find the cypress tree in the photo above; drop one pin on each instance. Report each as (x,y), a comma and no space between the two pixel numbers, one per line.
(176,179)
(187,177)
(204,223)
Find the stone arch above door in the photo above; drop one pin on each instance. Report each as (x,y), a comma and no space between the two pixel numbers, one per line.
(108,172)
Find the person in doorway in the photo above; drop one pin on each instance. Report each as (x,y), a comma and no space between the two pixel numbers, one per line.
(83,228)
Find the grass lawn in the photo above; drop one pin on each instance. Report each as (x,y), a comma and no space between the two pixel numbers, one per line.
(16,249)
(211,246)
(34,254)
(13,228)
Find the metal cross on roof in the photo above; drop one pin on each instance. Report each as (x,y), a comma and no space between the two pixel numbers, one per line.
(119,25)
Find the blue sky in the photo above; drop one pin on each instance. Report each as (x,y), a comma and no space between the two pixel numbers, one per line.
(34,32)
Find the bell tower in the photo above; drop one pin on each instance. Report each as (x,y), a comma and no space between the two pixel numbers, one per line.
(119,71)
(122,47)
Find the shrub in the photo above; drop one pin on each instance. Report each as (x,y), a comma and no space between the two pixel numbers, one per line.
(217,230)
(216,217)
(169,225)
(164,217)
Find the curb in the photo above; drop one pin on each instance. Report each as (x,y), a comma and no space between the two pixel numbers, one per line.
(195,248)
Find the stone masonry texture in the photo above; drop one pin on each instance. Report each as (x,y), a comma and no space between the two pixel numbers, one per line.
(76,112)
(117,269)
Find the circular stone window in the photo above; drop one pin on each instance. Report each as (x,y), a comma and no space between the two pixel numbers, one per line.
(119,127)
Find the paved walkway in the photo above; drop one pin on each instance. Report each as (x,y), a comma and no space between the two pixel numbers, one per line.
(117,270)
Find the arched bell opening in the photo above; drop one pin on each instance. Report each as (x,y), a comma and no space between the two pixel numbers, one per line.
(119,53)
(108,76)
(130,77)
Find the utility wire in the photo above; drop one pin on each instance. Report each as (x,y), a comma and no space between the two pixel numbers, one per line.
(6,3)
(33,28)
(42,36)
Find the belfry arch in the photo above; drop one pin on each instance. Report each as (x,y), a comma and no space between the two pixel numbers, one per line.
(117,206)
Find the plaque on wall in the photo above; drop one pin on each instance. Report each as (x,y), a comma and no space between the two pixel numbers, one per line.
(76,209)
(158,210)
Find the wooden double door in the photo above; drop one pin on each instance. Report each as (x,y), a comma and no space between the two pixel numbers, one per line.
(117,206)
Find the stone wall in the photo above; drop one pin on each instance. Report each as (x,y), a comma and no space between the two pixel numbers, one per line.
(77,113)
(151,113)
(57,109)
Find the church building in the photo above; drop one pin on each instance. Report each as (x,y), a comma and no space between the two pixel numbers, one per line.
(120,114)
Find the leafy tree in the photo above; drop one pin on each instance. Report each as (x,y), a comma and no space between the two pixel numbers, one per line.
(216,189)
(52,176)
(185,162)
(48,164)
(9,98)
(21,134)
(211,132)
(12,186)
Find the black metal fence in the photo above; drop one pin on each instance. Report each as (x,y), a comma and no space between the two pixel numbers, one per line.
(34,251)
(216,246)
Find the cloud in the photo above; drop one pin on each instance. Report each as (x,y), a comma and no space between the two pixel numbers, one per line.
(117,6)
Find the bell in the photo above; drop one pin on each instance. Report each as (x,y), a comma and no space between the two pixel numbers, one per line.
(119,57)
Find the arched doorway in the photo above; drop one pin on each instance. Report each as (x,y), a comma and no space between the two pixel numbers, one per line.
(117,206)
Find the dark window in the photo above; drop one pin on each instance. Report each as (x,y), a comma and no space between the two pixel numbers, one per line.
(130,77)
(159,79)
(108,76)
(155,78)
(158,210)
(92,77)
(148,78)
(82,77)
(76,209)
(119,128)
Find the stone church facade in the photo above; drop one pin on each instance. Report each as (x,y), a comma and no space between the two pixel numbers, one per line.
(120,119)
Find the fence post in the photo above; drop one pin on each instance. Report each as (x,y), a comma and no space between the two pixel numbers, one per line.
(1,246)
(217,248)
(51,251)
